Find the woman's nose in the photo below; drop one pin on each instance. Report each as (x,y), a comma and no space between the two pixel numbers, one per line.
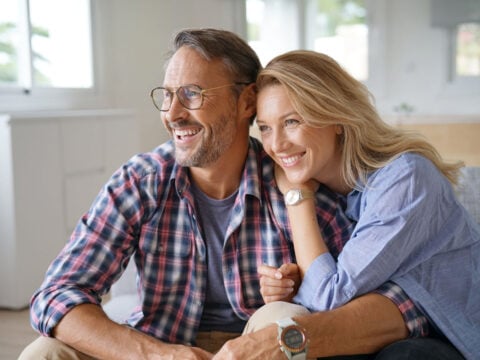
(279,141)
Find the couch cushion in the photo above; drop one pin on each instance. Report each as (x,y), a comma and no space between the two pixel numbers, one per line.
(468,190)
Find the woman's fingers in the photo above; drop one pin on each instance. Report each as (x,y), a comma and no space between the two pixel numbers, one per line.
(278,284)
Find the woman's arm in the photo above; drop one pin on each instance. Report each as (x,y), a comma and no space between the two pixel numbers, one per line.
(307,238)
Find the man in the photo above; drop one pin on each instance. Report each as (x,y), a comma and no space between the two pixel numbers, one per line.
(199,214)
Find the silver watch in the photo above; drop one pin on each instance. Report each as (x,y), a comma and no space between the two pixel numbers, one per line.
(294,196)
(292,339)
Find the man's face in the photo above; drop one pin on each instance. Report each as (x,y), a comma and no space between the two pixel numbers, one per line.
(200,136)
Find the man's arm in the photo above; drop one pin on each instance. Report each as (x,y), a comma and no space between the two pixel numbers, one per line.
(87,329)
(364,325)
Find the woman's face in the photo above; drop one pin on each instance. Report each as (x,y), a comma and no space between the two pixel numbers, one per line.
(303,151)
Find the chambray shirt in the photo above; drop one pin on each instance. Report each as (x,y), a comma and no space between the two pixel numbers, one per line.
(412,230)
(147,210)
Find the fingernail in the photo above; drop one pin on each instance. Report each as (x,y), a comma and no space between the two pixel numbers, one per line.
(278,275)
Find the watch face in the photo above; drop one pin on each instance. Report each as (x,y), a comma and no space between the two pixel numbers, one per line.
(293,338)
(292,197)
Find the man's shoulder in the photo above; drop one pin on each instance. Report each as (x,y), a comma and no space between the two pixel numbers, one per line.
(159,160)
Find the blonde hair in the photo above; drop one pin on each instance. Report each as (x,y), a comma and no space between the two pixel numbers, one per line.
(325,94)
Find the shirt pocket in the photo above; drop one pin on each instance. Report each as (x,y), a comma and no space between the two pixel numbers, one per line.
(167,265)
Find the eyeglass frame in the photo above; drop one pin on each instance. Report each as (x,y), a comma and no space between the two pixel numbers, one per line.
(202,91)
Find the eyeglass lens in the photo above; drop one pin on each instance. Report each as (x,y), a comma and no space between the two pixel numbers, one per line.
(190,96)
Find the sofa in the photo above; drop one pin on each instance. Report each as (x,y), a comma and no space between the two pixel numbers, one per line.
(124,296)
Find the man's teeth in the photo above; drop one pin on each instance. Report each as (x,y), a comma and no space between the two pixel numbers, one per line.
(189,132)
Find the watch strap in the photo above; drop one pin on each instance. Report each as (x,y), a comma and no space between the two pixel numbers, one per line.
(295,196)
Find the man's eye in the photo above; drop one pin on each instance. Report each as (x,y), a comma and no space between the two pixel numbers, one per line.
(191,93)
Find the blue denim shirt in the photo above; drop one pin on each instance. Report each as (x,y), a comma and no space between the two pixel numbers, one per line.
(411,230)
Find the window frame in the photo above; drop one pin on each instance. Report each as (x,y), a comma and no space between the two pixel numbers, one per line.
(17,98)
(376,23)
(456,85)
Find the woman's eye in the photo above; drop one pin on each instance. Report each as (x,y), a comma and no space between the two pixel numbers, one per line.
(263,128)
(291,123)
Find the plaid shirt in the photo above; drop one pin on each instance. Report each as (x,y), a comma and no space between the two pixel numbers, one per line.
(147,210)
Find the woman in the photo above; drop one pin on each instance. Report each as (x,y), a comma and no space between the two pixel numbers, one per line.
(319,125)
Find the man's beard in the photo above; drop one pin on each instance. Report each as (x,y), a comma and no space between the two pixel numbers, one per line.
(211,148)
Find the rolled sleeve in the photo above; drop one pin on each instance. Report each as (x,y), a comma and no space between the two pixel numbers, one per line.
(49,306)
(416,322)
(323,268)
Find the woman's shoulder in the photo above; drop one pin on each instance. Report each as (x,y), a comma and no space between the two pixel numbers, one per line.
(407,165)
(409,173)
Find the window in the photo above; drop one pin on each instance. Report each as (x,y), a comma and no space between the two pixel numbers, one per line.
(339,29)
(467,54)
(45,44)
(335,27)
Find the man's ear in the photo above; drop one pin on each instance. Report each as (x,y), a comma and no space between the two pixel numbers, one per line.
(248,100)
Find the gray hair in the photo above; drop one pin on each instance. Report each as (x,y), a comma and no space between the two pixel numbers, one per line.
(239,58)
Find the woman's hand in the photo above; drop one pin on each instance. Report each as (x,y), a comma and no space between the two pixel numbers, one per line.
(279,284)
(284,184)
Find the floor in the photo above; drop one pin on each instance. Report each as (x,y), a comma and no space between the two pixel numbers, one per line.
(15,333)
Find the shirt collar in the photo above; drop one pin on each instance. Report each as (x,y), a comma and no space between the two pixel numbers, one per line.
(249,183)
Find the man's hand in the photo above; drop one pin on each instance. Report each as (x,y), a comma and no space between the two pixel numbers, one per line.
(260,345)
(87,329)
(279,284)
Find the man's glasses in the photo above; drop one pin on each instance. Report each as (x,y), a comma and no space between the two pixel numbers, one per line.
(190,96)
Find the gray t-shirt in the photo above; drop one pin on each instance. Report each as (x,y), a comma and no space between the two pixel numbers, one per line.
(214,217)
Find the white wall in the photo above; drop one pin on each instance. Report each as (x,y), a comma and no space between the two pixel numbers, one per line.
(416,65)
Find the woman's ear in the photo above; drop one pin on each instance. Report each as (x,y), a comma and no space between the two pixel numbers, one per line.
(339,129)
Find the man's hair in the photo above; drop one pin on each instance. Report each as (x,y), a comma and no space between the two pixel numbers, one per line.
(239,58)
(323,94)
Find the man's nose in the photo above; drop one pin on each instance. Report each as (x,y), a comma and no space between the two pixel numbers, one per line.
(177,111)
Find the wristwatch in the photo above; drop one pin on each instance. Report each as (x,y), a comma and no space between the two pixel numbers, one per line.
(292,339)
(294,196)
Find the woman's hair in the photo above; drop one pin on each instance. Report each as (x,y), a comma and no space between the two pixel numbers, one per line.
(325,94)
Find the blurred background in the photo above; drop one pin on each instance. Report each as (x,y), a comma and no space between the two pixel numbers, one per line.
(75,78)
